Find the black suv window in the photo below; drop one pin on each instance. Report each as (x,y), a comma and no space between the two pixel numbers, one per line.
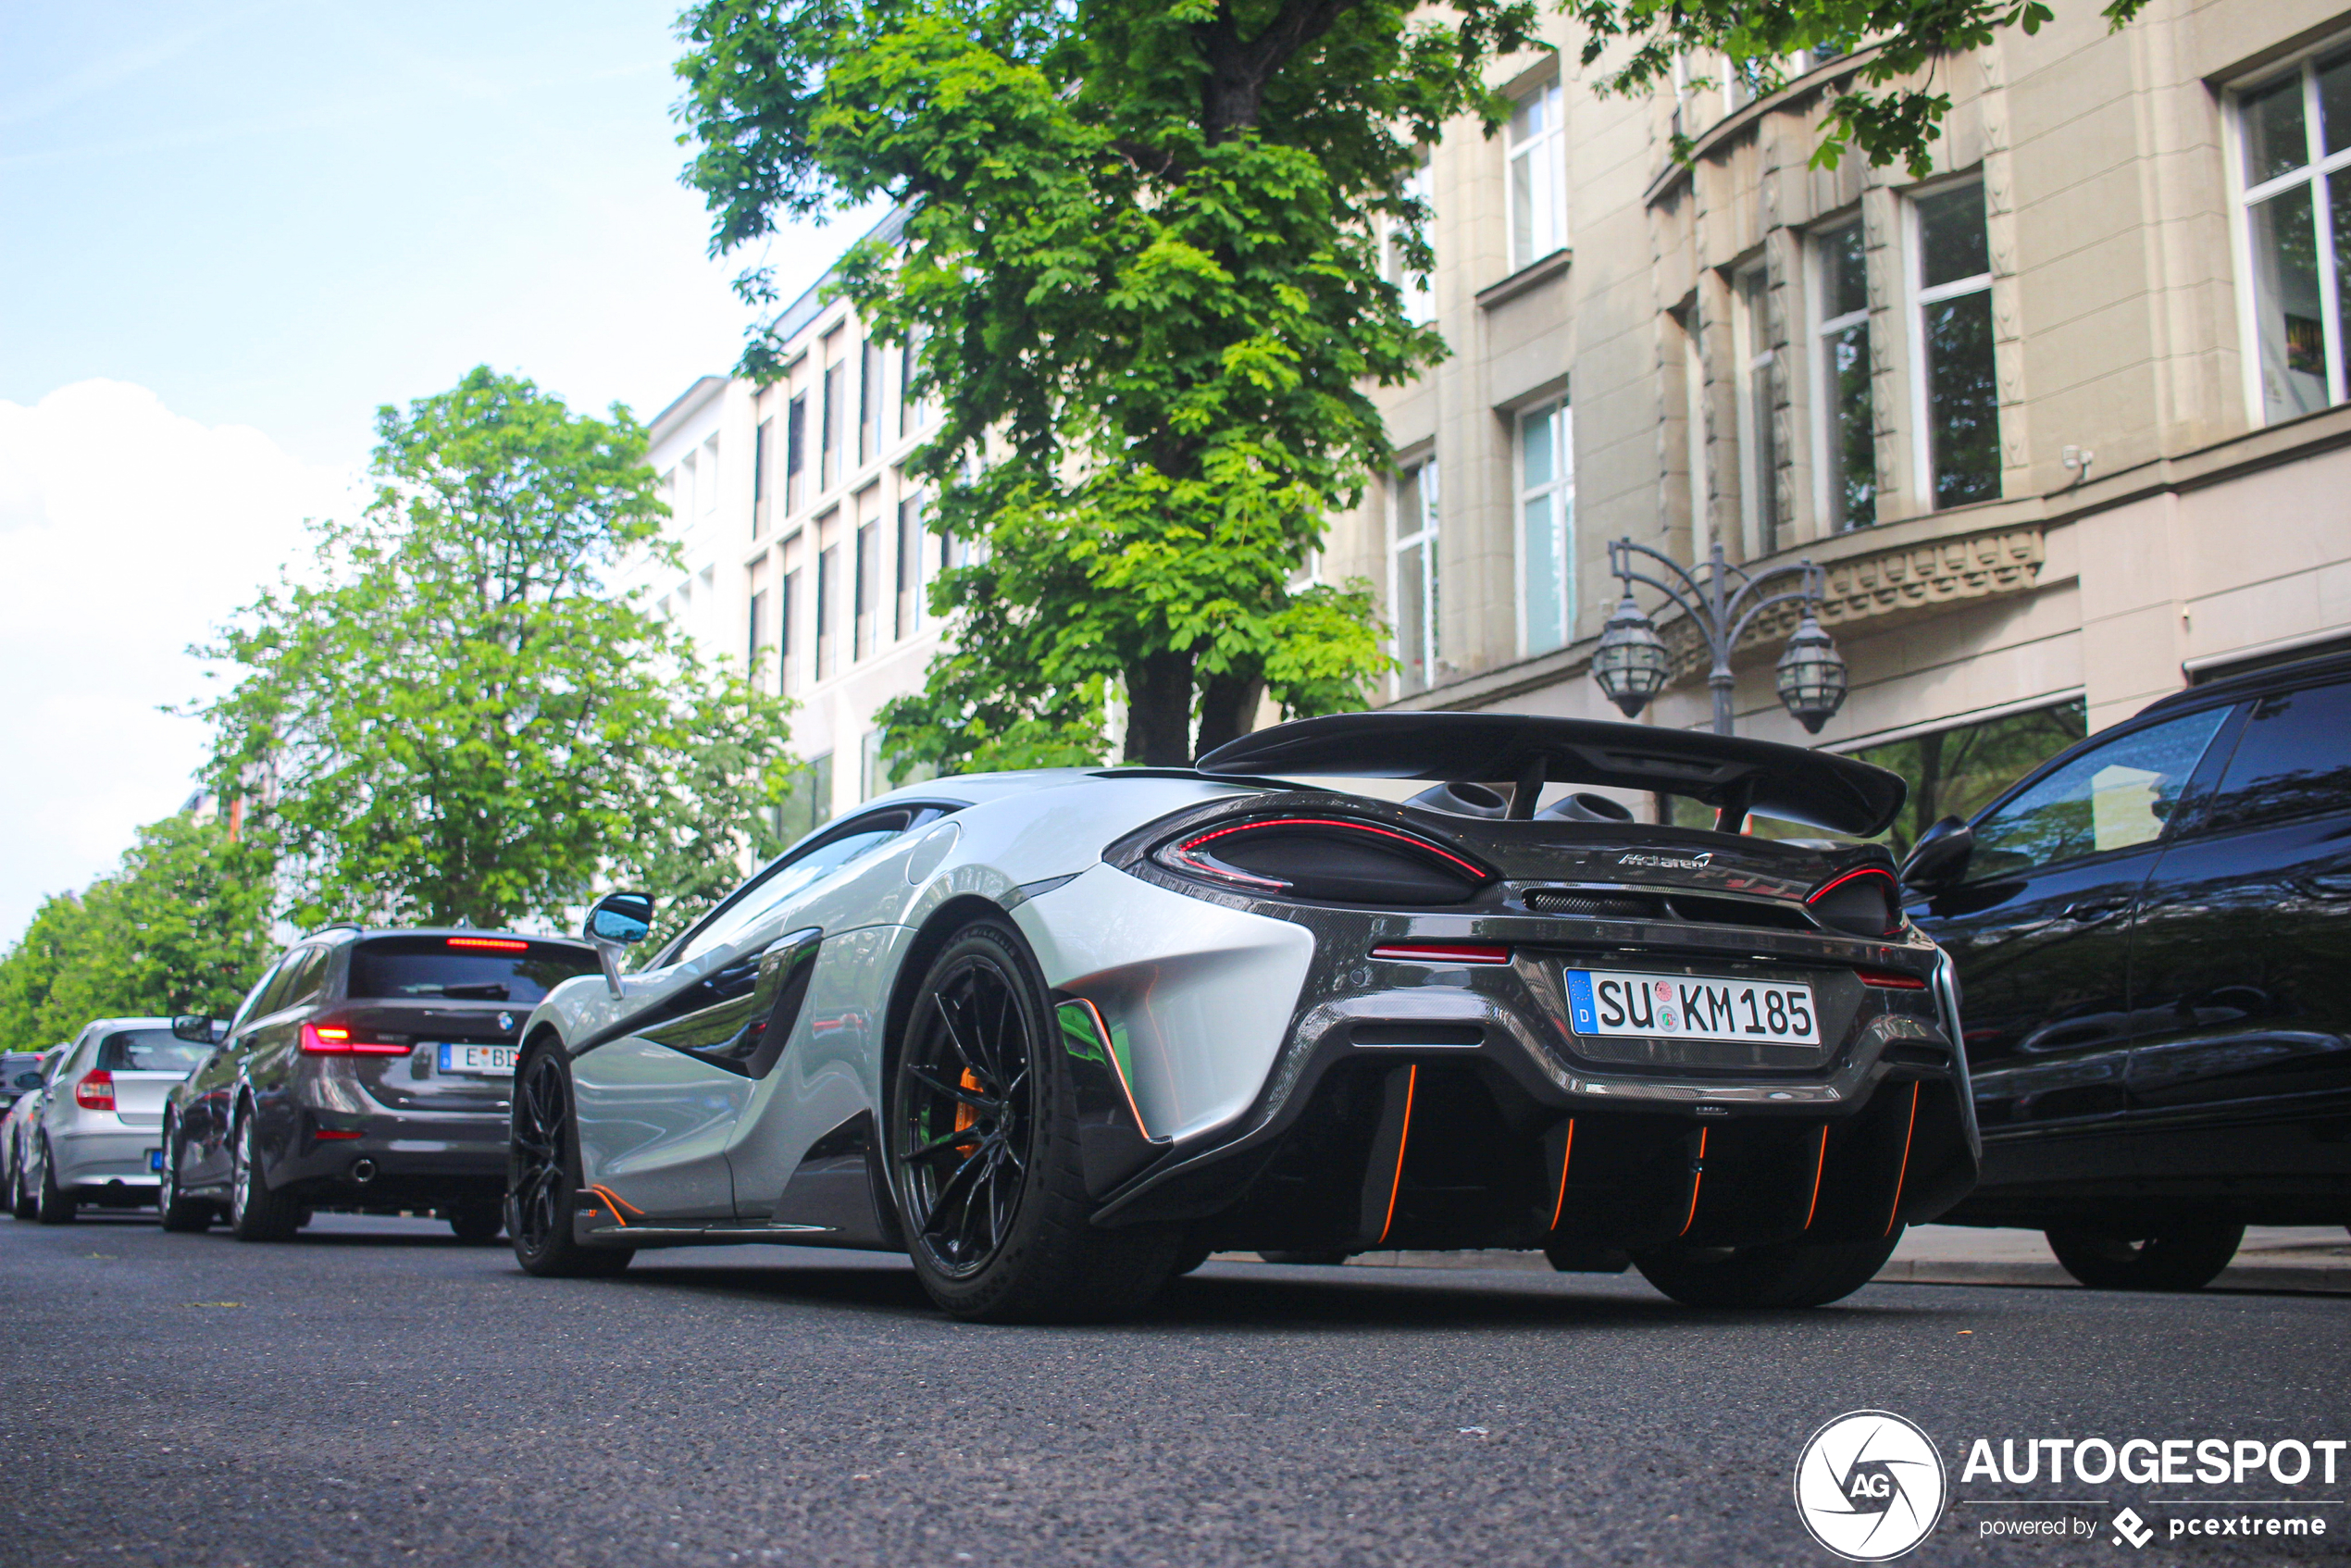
(298,980)
(2113,795)
(464,968)
(2293,760)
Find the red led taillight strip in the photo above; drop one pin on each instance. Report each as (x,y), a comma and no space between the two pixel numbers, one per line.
(1889,979)
(1443,952)
(1833,883)
(494,944)
(1184,850)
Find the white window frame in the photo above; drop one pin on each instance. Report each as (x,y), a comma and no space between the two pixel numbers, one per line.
(1921,296)
(1427,536)
(1545,150)
(1560,494)
(2242,199)
(1828,454)
(1751,323)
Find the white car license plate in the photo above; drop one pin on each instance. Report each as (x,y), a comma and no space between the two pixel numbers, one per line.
(477,1058)
(1609,1002)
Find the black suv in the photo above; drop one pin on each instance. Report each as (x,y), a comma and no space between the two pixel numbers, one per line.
(2153,934)
(370,1071)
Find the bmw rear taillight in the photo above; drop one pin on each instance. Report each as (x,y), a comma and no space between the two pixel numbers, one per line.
(96,1091)
(1337,859)
(331,1040)
(1867,902)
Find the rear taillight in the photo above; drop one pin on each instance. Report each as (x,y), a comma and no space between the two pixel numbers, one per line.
(1867,902)
(1889,979)
(490,944)
(331,1040)
(1339,859)
(96,1091)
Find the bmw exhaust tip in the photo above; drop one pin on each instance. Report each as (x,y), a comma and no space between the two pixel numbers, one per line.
(363,1171)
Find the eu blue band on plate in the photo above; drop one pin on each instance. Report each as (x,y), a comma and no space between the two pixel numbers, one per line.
(1579,1003)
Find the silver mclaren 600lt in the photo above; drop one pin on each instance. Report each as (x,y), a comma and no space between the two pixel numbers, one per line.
(1058,1036)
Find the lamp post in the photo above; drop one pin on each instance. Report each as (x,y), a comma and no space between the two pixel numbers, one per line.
(1631,664)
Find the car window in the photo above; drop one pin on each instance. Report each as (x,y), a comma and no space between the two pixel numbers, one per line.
(465,968)
(854,840)
(296,982)
(2293,759)
(2115,795)
(250,1007)
(149,1051)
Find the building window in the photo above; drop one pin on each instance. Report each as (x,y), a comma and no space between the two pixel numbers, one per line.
(910,407)
(829,433)
(869,391)
(828,573)
(910,568)
(1961,397)
(1757,410)
(796,454)
(868,583)
(787,658)
(761,447)
(1413,575)
(1546,525)
(1538,177)
(809,803)
(2295,131)
(757,621)
(1848,454)
(706,478)
(1419,292)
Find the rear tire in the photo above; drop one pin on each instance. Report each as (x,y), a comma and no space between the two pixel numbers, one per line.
(255,1213)
(55,1205)
(174,1210)
(22,1202)
(477,1223)
(2182,1257)
(543,1175)
(1321,1257)
(982,1141)
(1787,1273)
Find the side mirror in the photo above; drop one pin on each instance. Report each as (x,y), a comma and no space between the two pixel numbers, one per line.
(1940,856)
(621,918)
(197,1028)
(614,922)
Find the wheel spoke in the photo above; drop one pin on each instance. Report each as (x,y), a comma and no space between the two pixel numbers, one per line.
(956,1187)
(971,1060)
(953,1138)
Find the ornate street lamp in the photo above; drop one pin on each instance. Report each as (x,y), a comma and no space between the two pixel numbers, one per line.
(1630,663)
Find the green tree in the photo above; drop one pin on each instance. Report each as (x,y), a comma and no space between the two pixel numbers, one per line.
(451,718)
(182,925)
(1141,263)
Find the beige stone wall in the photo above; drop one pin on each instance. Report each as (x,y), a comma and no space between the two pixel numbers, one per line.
(2110,220)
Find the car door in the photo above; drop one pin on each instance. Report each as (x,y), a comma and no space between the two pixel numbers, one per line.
(2242,967)
(206,1103)
(660,1097)
(2039,927)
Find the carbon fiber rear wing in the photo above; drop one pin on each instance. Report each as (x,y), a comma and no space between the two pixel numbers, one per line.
(1733,775)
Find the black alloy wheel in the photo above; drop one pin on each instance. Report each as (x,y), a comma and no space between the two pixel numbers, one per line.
(257,1213)
(1786,1273)
(542,1176)
(53,1204)
(2187,1256)
(982,1137)
(174,1209)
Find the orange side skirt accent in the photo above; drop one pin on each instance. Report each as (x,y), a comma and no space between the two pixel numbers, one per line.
(615,1204)
(1559,1204)
(1904,1174)
(1403,1136)
(1695,1177)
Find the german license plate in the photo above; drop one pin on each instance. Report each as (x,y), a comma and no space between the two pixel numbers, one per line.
(1611,1001)
(154,1161)
(477,1058)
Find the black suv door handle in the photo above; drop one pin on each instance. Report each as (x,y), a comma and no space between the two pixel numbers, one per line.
(2094,909)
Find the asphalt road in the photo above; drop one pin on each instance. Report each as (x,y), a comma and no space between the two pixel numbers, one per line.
(376,1393)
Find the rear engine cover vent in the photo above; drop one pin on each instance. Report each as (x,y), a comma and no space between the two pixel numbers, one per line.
(1598,906)
(1741,912)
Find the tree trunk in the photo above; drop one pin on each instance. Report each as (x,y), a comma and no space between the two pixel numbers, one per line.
(1159,710)
(1228,708)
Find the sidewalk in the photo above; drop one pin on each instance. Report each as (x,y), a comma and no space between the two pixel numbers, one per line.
(2306,1259)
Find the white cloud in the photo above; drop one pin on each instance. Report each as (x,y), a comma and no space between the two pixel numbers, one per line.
(127,532)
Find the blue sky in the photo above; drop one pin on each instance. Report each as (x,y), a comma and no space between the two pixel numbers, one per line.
(232,231)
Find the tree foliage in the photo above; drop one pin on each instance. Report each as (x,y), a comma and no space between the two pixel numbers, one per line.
(452,719)
(1142,261)
(182,925)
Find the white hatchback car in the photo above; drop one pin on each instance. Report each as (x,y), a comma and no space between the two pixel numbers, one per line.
(95,1139)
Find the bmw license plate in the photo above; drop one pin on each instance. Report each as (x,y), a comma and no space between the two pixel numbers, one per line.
(477,1058)
(1611,1001)
(154,1161)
